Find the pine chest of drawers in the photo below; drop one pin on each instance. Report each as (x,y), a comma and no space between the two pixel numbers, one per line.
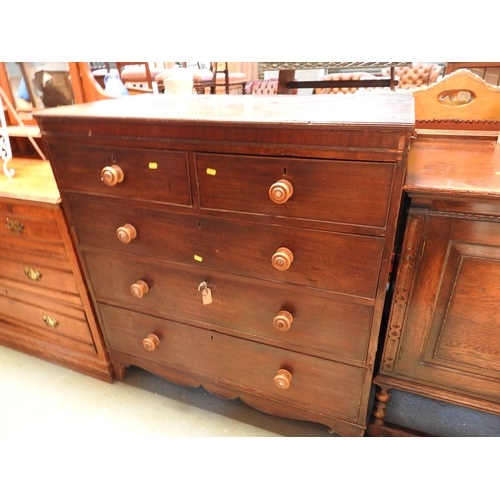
(239,242)
(45,309)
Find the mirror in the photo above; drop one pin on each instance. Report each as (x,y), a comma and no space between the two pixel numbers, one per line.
(38,85)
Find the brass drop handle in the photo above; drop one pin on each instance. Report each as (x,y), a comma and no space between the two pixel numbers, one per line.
(50,321)
(14,225)
(283,321)
(283,379)
(282,259)
(151,342)
(112,175)
(281,191)
(126,233)
(33,274)
(139,289)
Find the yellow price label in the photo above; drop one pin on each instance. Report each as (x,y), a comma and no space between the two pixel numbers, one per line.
(198,258)
(211,171)
(153,165)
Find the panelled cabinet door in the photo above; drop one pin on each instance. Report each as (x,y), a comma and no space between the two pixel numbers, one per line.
(451,333)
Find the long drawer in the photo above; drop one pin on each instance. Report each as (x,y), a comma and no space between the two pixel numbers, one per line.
(347,192)
(147,174)
(270,312)
(247,365)
(339,262)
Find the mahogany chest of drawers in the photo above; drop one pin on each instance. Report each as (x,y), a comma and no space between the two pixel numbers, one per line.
(239,242)
(45,309)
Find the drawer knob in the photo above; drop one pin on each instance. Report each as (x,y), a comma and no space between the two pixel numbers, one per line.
(283,379)
(126,233)
(139,289)
(150,342)
(283,321)
(281,191)
(112,175)
(282,259)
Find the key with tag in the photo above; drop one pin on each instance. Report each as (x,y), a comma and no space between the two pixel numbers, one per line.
(206,293)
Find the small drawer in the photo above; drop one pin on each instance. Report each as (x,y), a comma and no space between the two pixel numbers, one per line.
(345,192)
(274,312)
(141,174)
(44,315)
(340,262)
(245,365)
(39,272)
(28,223)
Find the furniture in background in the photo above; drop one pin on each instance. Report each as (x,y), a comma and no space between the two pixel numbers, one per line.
(5,148)
(247,249)
(45,309)
(287,82)
(18,113)
(87,89)
(415,75)
(211,76)
(443,335)
(412,76)
(138,74)
(488,71)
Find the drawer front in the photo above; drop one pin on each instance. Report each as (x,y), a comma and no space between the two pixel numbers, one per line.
(29,224)
(339,262)
(44,314)
(276,313)
(335,191)
(246,365)
(37,271)
(148,174)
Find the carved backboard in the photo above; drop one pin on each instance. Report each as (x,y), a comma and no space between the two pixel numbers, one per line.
(460,101)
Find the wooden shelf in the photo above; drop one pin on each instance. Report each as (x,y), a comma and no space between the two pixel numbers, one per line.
(26,131)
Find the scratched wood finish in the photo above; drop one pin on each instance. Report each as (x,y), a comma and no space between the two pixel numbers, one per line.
(204,221)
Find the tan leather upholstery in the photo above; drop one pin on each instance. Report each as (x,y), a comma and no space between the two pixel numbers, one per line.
(409,77)
(262,87)
(416,75)
(344,76)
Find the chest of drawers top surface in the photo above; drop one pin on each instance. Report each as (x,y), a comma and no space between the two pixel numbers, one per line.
(370,124)
(393,109)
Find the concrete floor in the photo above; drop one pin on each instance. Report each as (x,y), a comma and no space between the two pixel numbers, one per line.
(41,398)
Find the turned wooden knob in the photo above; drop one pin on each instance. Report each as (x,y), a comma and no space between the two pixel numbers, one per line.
(139,289)
(281,191)
(126,233)
(112,175)
(283,379)
(283,321)
(150,342)
(282,259)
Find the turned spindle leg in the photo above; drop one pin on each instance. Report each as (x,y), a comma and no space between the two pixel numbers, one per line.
(382,396)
